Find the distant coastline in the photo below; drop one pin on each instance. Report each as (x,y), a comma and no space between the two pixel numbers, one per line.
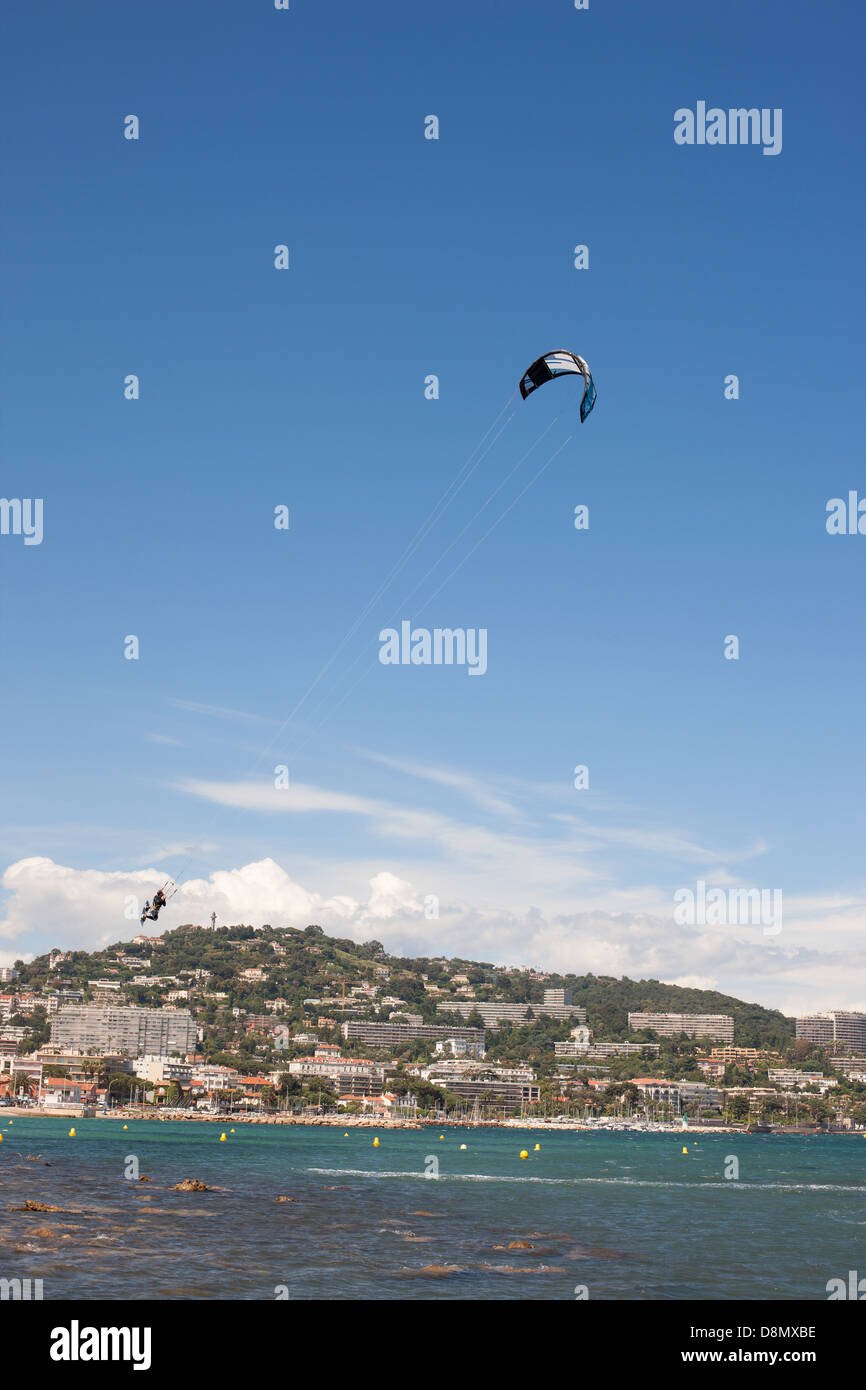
(346,1122)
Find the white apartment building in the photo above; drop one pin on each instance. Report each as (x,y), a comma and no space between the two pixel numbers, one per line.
(127,1029)
(161,1069)
(718,1026)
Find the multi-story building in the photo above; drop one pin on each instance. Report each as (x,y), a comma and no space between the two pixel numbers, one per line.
(163,1069)
(79,1065)
(739,1056)
(355,1076)
(127,1029)
(12,1033)
(678,1093)
(459,1047)
(22,1066)
(497,1013)
(210,1076)
(561,997)
(64,996)
(850,1067)
(712,1066)
(599,1050)
(258,1023)
(488,1088)
(834,1028)
(393,1034)
(790,1079)
(719,1026)
(572,1082)
(456,1068)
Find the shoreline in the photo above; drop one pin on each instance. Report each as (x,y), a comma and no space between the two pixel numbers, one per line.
(395,1122)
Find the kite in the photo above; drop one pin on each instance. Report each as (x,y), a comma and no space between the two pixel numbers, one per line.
(560,363)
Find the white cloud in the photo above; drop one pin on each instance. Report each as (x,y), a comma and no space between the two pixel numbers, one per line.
(535,860)
(194,707)
(670,843)
(472,787)
(696,982)
(295,799)
(51,904)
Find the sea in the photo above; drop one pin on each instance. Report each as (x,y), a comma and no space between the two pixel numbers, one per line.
(426,1214)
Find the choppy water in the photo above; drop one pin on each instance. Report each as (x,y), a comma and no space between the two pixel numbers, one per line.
(628,1215)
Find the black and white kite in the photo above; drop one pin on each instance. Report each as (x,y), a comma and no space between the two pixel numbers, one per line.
(560,363)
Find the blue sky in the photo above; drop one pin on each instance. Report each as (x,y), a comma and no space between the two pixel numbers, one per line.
(306,388)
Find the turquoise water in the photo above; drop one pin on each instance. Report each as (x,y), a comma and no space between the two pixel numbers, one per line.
(629,1216)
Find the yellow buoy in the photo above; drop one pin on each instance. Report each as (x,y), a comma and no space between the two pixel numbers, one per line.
(523,1153)
(1,1138)
(72,1134)
(463,1146)
(231,1131)
(223,1138)
(685,1150)
(376,1143)
(537,1148)
(346,1135)
(441,1136)
(126,1126)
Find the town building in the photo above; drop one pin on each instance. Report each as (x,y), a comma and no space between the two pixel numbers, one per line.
(163,1069)
(790,1079)
(211,1076)
(720,1026)
(56,1092)
(501,1012)
(79,1065)
(678,1094)
(393,1034)
(711,1067)
(14,1067)
(127,1029)
(352,1076)
(834,1028)
(459,1047)
(64,996)
(739,1056)
(600,1050)
(505,1093)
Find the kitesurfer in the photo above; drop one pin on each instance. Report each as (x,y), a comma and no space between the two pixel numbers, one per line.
(152,910)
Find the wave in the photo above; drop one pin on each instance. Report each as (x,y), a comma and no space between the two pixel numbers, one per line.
(576,1181)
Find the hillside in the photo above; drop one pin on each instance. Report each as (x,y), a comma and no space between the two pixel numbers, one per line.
(305,964)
